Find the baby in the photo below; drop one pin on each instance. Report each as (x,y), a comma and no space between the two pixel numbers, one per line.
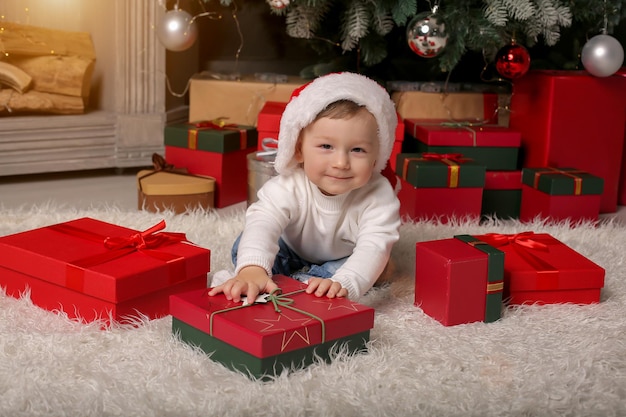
(329,218)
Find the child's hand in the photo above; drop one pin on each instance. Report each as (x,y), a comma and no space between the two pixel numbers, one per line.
(251,281)
(325,286)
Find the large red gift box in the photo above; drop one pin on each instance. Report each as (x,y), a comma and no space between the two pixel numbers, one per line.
(92,270)
(572,119)
(495,147)
(459,280)
(205,149)
(290,323)
(541,269)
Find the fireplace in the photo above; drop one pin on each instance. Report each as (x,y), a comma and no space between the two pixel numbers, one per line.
(129,101)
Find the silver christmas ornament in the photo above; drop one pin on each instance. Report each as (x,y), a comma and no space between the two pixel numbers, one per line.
(602,55)
(177,30)
(426,34)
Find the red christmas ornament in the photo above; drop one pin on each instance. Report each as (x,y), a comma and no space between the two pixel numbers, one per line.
(512,61)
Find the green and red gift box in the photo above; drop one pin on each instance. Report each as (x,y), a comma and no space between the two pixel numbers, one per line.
(560,194)
(502,195)
(495,147)
(459,280)
(94,270)
(288,331)
(539,269)
(439,186)
(215,149)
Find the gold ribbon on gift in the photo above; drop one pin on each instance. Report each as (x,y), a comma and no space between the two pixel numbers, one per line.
(453,160)
(160,165)
(578,181)
(215,124)
(278,299)
(495,286)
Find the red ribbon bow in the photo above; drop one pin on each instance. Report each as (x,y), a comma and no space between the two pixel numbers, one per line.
(454,157)
(148,239)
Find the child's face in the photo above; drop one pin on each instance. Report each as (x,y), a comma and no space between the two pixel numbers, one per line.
(338,155)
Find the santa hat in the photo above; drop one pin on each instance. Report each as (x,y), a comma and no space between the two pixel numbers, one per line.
(309,100)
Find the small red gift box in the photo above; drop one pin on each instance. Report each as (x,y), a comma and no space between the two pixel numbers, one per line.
(459,280)
(560,194)
(91,270)
(440,186)
(541,269)
(213,152)
(268,124)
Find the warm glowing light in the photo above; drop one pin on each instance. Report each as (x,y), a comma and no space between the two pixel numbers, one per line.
(173,26)
(600,51)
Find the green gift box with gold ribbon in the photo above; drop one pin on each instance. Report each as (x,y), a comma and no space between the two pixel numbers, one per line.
(434,170)
(287,329)
(211,136)
(495,147)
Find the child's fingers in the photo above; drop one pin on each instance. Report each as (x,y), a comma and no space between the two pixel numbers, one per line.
(216,290)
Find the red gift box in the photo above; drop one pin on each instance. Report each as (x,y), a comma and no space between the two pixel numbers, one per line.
(303,320)
(425,203)
(457,282)
(560,194)
(398,143)
(90,269)
(229,170)
(570,118)
(541,269)
(268,124)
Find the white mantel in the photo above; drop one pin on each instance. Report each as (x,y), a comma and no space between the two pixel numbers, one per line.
(129,102)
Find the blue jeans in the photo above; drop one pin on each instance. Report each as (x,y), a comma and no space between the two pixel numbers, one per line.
(289,263)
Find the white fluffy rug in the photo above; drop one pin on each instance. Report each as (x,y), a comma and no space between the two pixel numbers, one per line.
(558,360)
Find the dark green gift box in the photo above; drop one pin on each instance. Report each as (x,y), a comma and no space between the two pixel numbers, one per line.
(263,368)
(562,181)
(211,136)
(440,170)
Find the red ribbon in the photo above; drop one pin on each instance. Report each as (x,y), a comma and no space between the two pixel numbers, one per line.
(524,244)
(215,124)
(145,242)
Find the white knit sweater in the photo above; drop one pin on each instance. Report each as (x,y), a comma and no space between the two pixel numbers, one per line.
(362,224)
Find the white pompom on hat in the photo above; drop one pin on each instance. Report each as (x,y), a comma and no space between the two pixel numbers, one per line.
(309,100)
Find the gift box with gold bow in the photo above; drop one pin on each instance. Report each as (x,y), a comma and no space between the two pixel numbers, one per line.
(559,194)
(283,330)
(459,280)
(215,149)
(495,147)
(541,269)
(92,270)
(439,186)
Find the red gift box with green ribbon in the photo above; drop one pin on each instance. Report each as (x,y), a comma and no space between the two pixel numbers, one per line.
(92,270)
(288,329)
(495,147)
(439,186)
(215,149)
(560,194)
(539,268)
(459,280)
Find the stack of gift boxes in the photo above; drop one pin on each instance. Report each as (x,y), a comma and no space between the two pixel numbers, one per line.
(93,270)
(552,159)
